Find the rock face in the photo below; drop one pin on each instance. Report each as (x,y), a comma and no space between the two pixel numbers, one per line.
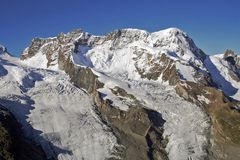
(2,49)
(233,61)
(139,130)
(13,145)
(109,67)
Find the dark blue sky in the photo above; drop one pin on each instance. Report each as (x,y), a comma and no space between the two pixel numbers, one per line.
(214,25)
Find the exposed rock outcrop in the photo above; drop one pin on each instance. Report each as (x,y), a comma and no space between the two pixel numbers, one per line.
(224,118)
(233,61)
(2,49)
(139,129)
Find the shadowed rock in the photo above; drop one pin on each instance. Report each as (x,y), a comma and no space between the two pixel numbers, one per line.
(13,145)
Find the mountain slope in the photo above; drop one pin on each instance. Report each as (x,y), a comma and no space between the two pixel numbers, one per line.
(53,112)
(158,94)
(225,71)
(127,59)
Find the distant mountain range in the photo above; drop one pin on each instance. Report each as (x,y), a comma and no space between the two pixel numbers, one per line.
(128,95)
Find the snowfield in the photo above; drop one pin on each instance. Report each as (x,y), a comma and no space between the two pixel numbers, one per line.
(53,112)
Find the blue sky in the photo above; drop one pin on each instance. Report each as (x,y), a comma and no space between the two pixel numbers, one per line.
(214,25)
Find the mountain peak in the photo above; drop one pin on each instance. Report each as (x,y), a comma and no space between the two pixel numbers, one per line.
(2,49)
(135,49)
(178,42)
(173,30)
(229,53)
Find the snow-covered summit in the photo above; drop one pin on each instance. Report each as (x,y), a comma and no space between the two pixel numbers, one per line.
(171,40)
(129,53)
(135,54)
(178,41)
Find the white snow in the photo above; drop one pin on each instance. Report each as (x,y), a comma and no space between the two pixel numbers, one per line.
(121,60)
(53,112)
(176,42)
(136,48)
(39,61)
(80,58)
(186,71)
(132,49)
(203,99)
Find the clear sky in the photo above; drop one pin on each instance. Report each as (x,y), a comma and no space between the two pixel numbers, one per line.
(214,25)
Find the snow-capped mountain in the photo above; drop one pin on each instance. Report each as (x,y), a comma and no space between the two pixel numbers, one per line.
(129,94)
(137,50)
